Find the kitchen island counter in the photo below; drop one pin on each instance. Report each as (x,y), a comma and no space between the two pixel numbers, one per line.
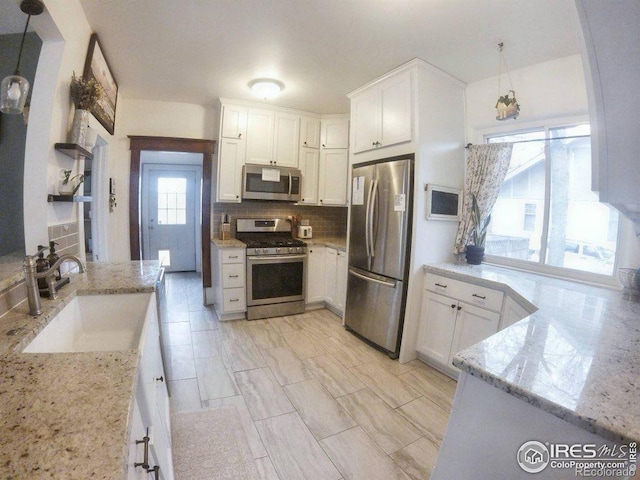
(66,415)
(577,357)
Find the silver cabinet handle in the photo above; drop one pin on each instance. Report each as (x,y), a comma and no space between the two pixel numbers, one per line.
(441,286)
(145,459)
(156,471)
(479,296)
(233,276)
(234,300)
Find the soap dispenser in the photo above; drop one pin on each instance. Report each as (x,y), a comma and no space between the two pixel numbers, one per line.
(42,265)
(53,258)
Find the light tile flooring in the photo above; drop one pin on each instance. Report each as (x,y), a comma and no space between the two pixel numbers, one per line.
(316,402)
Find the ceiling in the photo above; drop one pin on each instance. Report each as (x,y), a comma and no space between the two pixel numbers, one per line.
(196,51)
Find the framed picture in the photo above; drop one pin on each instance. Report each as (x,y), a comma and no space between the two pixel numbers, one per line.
(96,66)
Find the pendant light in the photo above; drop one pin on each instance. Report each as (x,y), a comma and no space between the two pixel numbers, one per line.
(507,105)
(14,89)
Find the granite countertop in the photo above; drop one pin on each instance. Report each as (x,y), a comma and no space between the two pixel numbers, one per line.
(66,415)
(577,357)
(339,243)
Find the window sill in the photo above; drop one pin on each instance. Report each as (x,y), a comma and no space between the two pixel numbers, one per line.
(578,276)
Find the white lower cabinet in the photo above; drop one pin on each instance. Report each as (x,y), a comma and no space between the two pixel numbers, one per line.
(229,273)
(316,273)
(335,279)
(455,315)
(150,432)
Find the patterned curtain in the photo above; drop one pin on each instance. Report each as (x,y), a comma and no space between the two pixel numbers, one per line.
(487,166)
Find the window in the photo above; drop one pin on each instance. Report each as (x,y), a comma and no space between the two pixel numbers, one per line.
(172,201)
(546,212)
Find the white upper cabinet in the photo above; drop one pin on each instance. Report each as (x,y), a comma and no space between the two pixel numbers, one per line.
(234,121)
(309,164)
(382,114)
(333,172)
(260,136)
(310,132)
(287,134)
(230,162)
(335,132)
(612,71)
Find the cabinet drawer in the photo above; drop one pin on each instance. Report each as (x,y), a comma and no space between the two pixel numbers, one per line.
(233,300)
(232,255)
(233,275)
(466,292)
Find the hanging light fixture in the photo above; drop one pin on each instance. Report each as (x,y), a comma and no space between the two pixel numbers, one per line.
(15,88)
(507,105)
(266,88)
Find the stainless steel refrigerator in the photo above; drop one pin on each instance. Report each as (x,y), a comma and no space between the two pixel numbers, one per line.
(379,250)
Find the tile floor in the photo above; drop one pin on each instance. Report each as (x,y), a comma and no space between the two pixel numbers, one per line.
(316,402)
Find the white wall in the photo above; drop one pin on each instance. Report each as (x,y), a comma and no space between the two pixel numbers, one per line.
(65,33)
(549,92)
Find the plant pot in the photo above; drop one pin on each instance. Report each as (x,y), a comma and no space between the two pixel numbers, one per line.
(78,132)
(474,255)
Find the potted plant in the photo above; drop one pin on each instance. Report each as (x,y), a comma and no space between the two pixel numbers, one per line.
(475,252)
(85,95)
(69,185)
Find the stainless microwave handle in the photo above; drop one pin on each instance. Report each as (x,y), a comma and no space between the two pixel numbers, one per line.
(276,257)
(290,183)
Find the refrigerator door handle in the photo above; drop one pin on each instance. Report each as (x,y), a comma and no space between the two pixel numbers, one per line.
(367,223)
(374,197)
(374,280)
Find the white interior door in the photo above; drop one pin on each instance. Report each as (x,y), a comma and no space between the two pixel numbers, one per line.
(170,215)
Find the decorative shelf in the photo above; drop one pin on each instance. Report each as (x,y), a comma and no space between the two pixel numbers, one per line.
(68,198)
(73,150)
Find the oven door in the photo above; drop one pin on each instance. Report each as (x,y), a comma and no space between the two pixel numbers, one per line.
(275,279)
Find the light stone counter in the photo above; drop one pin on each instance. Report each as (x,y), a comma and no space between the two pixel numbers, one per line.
(577,357)
(339,243)
(66,415)
(231,243)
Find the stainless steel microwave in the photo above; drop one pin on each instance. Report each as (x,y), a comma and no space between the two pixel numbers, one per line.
(264,182)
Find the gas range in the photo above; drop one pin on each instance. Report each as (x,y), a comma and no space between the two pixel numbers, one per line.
(267,237)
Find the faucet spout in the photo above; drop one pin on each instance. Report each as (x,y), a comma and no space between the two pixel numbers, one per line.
(31,275)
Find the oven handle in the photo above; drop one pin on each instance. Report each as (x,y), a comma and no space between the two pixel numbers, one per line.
(277,257)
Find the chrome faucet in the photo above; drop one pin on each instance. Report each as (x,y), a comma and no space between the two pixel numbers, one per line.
(31,276)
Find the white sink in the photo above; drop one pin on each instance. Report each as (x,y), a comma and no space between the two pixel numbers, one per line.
(94,323)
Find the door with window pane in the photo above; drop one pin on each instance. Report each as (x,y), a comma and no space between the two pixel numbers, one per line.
(171,218)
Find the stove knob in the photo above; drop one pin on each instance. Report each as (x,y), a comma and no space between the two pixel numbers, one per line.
(265,250)
(299,249)
(257,251)
(292,250)
(278,250)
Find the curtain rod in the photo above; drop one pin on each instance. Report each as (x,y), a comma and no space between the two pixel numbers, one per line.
(540,139)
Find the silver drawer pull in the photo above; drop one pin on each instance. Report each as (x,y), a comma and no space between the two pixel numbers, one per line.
(233,276)
(479,296)
(233,256)
(145,461)
(234,300)
(441,286)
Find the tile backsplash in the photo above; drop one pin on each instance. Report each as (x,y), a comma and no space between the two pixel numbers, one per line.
(326,221)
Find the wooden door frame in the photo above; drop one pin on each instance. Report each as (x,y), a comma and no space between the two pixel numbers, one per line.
(171,144)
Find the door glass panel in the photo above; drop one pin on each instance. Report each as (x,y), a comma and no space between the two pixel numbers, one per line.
(172,204)
(275,280)
(165,258)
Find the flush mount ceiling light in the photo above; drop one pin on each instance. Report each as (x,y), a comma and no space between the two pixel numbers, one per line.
(266,87)
(15,88)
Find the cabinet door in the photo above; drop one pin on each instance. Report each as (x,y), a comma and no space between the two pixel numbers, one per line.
(234,121)
(473,325)
(396,103)
(366,121)
(230,162)
(437,325)
(334,175)
(316,274)
(309,164)
(260,135)
(331,258)
(287,138)
(310,132)
(341,279)
(335,133)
